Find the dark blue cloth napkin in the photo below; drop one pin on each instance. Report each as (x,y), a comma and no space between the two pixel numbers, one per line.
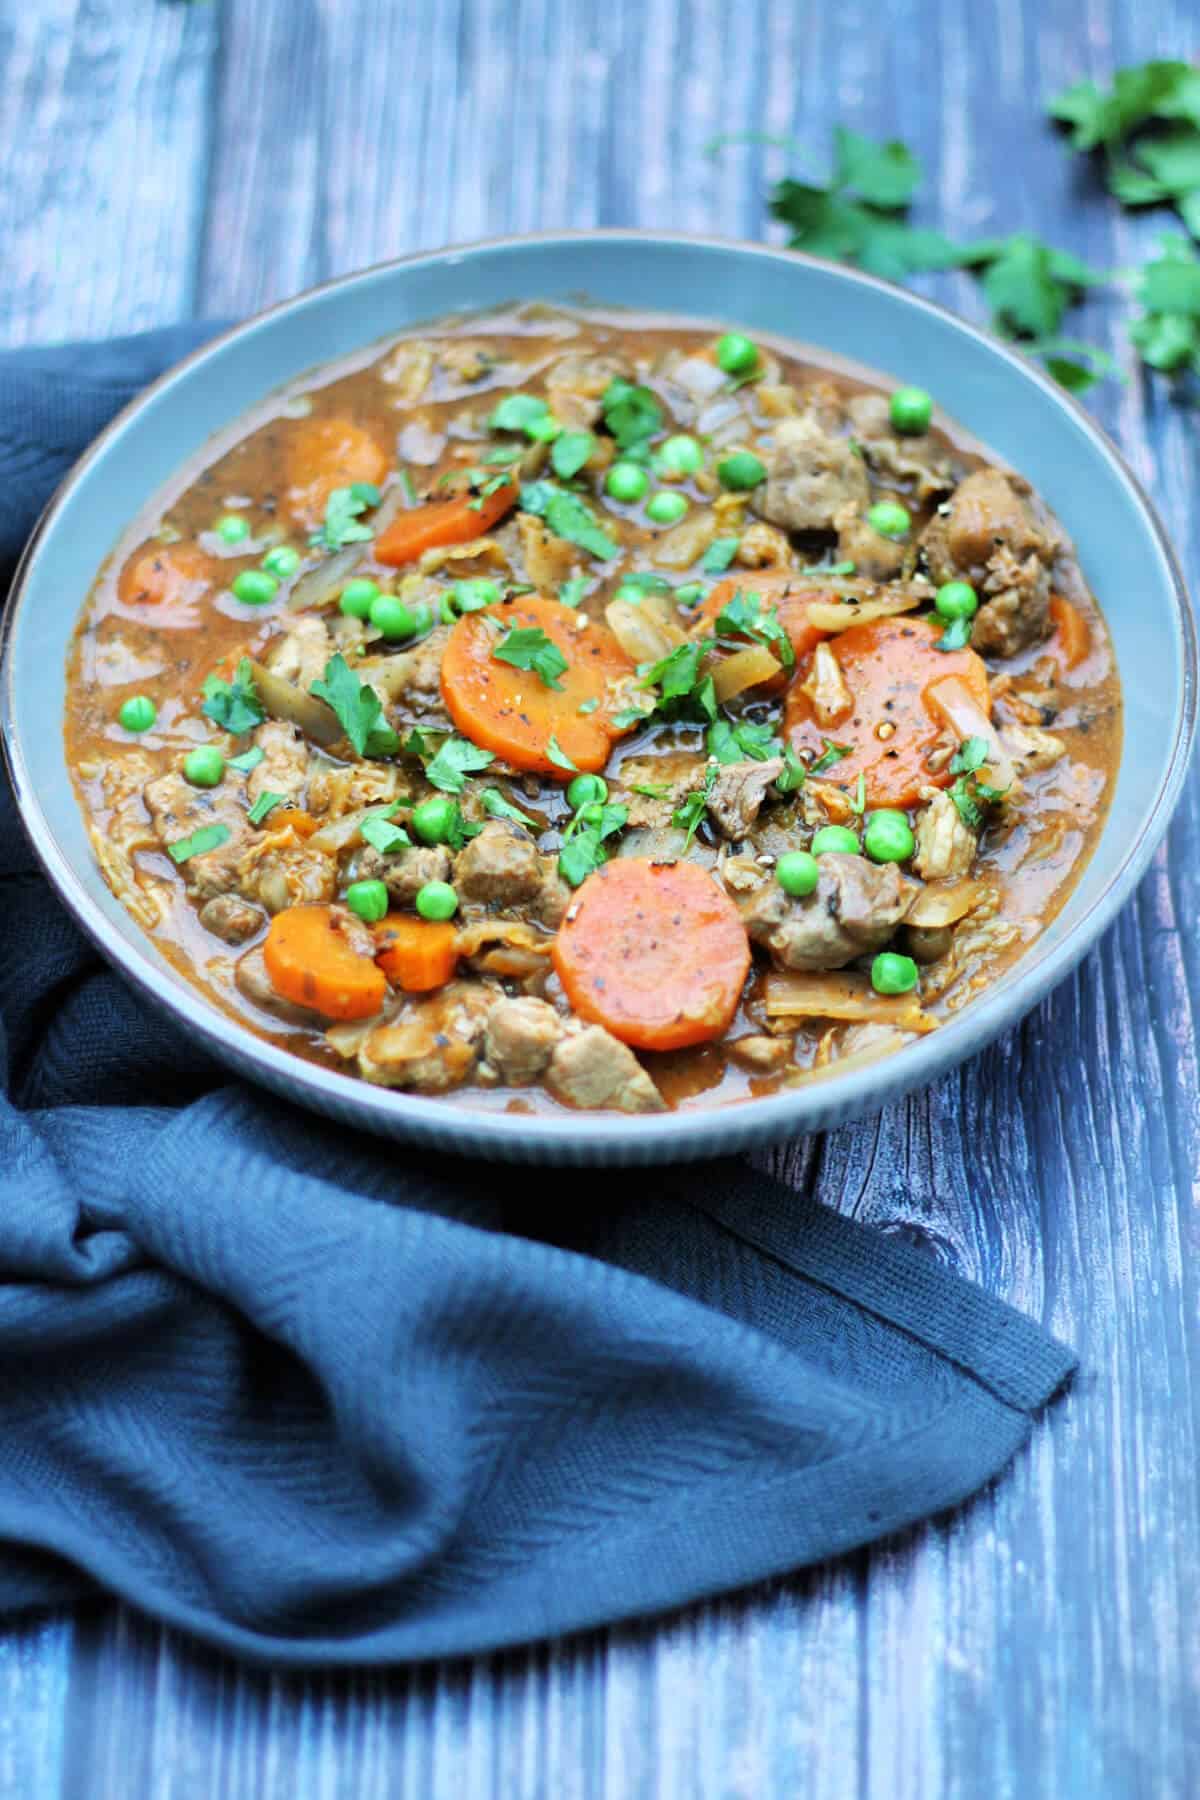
(321,1399)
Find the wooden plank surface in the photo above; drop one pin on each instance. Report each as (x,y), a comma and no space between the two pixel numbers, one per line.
(212,157)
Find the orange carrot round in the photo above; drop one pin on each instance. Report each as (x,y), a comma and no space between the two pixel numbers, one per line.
(416,954)
(313,962)
(159,574)
(783,592)
(888,667)
(1072,639)
(324,454)
(654,952)
(457,519)
(513,711)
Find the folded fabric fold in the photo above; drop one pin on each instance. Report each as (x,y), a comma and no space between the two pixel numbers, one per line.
(321,1399)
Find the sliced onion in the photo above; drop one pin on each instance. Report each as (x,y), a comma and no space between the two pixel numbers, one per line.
(944,903)
(795,993)
(839,615)
(320,586)
(642,636)
(744,669)
(284,700)
(958,708)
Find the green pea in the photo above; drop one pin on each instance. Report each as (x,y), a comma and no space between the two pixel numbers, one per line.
(433,820)
(474,595)
(888,837)
(255,587)
(736,354)
(625,481)
(797,873)
(892,973)
(138,713)
(204,766)
(666,508)
(741,471)
(690,594)
(390,616)
(678,457)
(911,409)
(367,899)
(233,529)
(835,839)
(358,596)
(889,519)
(544,430)
(282,561)
(956,600)
(585,789)
(437,900)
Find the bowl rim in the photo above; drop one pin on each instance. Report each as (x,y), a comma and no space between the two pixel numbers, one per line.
(686,1133)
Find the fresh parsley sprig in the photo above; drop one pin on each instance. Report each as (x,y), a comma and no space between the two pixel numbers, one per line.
(528,647)
(343,513)
(358,708)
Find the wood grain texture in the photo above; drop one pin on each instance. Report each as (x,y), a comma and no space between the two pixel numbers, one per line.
(214,157)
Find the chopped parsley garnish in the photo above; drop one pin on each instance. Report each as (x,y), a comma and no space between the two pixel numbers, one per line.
(683,691)
(731,743)
(719,555)
(558,755)
(971,754)
(588,706)
(234,705)
(456,759)
(858,803)
(504,454)
(1167,335)
(842,568)
(567,516)
(266,803)
(793,773)
(493,802)
(343,511)
(653,790)
(832,753)
(358,708)
(249,759)
(969,794)
(209,837)
(746,616)
(642,581)
(692,810)
(956,634)
(570,451)
(574,592)
(528,647)
(583,843)
(631,413)
(516,411)
(383,834)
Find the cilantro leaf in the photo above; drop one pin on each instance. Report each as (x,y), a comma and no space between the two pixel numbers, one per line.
(208,837)
(632,414)
(558,755)
(266,802)
(358,708)
(528,647)
(570,451)
(719,555)
(343,510)
(378,830)
(234,705)
(493,802)
(457,758)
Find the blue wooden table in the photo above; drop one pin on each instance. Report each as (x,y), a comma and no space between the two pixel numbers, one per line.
(164,158)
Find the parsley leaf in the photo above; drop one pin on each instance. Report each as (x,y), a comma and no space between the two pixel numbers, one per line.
(574,592)
(956,634)
(457,758)
(378,830)
(832,753)
(969,794)
(528,647)
(719,555)
(493,802)
(249,759)
(570,451)
(358,708)
(632,414)
(557,755)
(569,517)
(885,175)
(1028,285)
(209,837)
(516,411)
(971,754)
(266,802)
(1167,334)
(858,803)
(577,859)
(747,616)
(793,774)
(731,743)
(1150,90)
(234,705)
(688,815)
(343,510)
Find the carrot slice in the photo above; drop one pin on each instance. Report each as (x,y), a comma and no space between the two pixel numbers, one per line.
(513,711)
(888,666)
(301,822)
(779,590)
(313,963)
(1072,640)
(323,454)
(654,952)
(159,574)
(416,954)
(456,520)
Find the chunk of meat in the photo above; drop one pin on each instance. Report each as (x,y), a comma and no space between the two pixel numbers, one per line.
(1031,748)
(177,810)
(946,846)
(521,1037)
(874,556)
(737,795)
(434,1045)
(405,872)
(853,911)
(812,476)
(503,867)
(826,687)
(995,533)
(302,652)
(281,870)
(251,979)
(230,917)
(763,546)
(414,676)
(284,768)
(548,560)
(669,779)
(918,463)
(575,386)
(760,1053)
(590,1068)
